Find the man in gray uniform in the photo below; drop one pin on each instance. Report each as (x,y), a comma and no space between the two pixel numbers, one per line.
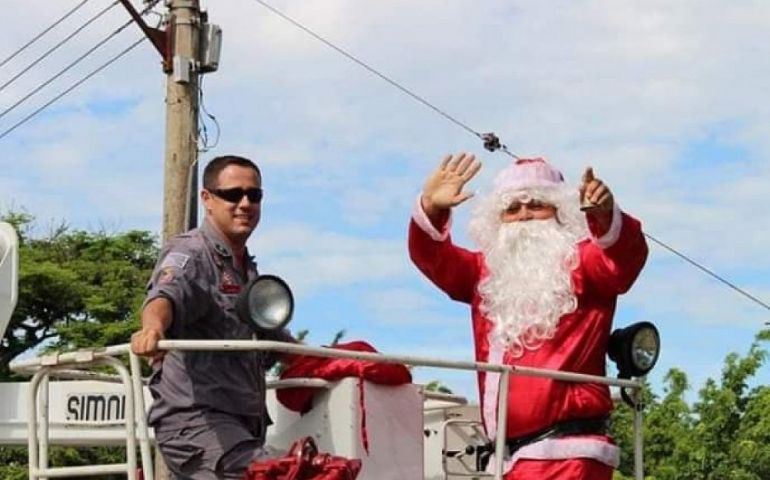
(209,407)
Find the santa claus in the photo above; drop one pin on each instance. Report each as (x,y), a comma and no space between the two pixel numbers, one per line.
(542,289)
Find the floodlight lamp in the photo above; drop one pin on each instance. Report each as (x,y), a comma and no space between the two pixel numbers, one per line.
(635,349)
(266,304)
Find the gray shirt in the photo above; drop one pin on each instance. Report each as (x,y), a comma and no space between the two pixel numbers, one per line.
(196,272)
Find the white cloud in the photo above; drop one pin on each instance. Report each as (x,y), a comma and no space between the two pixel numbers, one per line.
(312,259)
(408,307)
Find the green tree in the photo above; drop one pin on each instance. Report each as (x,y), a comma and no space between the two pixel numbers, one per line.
(76,289)
(722,413)
(724,435)
(438,387)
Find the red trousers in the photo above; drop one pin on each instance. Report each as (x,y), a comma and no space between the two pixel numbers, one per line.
(572,469)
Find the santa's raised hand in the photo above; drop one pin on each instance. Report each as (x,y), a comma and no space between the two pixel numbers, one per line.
(595,193)
(444,188)
(596,198)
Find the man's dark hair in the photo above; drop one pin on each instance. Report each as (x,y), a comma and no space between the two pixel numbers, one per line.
(216,165)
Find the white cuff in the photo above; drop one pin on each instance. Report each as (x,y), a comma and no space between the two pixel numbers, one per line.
(608,239)
(421,219)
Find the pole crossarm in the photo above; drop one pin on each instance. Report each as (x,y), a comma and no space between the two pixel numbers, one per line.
(160,39)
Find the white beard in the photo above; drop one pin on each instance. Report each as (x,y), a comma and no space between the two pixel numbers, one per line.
(529,287)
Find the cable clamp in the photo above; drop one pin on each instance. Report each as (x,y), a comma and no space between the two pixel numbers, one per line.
(491,142)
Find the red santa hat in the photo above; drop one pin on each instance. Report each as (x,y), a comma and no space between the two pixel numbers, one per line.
(525,173)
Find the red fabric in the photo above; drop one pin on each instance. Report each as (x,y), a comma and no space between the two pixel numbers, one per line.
(332,369)
(580,342)
(303,462)
(573,469)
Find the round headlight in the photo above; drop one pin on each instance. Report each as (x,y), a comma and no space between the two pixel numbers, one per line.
(266,304)
(635,349)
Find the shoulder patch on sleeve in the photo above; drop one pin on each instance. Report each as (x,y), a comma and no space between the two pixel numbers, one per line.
(174,259)
(165,275)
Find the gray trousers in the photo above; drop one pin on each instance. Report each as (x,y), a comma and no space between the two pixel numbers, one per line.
(223,448)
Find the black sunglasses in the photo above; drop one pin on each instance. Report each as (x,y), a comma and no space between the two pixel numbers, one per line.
(234,195)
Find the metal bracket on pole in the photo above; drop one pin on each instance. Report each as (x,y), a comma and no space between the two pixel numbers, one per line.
(638,408)
(161,39)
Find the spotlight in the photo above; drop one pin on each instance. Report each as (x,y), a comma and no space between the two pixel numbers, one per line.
(266,304)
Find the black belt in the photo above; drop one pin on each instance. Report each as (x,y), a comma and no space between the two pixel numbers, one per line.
(581,426)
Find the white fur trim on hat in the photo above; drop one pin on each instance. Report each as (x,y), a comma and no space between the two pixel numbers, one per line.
(527,173)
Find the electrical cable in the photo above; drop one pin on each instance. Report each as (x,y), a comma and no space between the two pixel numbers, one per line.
(65,69)
(709,272)
(72,87)
(146,10)
(202,128)
(202,142)
(40,35)
(58,45)
(486,137)
(491,142)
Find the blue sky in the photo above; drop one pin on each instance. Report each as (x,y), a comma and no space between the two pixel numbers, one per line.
(666,100)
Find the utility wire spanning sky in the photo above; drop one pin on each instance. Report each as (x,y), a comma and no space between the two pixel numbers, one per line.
(666,102)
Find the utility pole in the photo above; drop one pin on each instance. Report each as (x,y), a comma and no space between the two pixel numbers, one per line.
(180,179)
(189,47)
(185,58)
(180,168)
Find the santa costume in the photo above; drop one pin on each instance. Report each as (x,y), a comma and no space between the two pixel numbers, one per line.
(542,294)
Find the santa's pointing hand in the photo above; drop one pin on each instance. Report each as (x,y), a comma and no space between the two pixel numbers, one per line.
(444,188)
(596,198)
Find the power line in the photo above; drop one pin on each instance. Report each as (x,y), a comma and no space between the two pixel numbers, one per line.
(483,136)
(203,133)
(709,272)
(56,47)
(491,142)
(72,87)
(146,10)
(39,35)
(65,69)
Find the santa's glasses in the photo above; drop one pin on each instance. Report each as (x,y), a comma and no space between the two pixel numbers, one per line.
(532,204)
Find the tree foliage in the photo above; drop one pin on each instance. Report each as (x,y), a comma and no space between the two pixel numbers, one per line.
(723,435)
(76,288)
(438,387)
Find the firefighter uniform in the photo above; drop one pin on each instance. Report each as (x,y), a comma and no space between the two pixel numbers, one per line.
(209,410)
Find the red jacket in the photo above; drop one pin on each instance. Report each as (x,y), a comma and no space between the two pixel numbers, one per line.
(580,342)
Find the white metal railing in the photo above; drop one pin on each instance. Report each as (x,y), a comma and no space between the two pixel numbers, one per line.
(38,426)
(42,366)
